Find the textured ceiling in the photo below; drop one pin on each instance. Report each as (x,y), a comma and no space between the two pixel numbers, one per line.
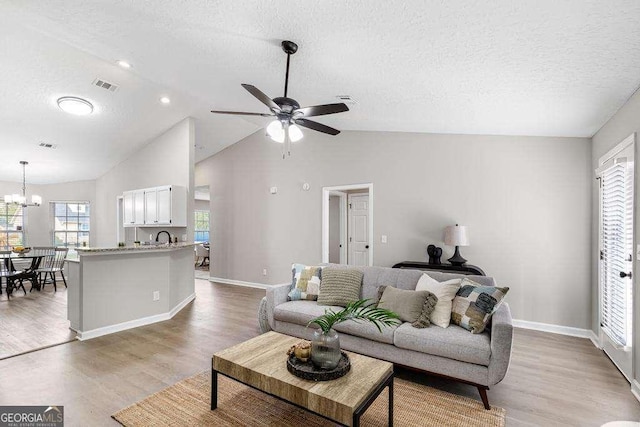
(558,68)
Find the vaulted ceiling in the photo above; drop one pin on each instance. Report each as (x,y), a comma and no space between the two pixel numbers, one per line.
(559,68)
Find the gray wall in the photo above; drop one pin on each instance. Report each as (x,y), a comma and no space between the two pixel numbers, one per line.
(526,201)
(625,122)
(167,159)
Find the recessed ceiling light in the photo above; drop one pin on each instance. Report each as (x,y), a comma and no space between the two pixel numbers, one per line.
(74,105)
(123,64)
(165,100)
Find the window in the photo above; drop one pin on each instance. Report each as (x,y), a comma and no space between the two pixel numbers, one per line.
(71,223)
(11,225)
(201,226)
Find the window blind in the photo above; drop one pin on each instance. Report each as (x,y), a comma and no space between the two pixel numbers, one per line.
(616,252)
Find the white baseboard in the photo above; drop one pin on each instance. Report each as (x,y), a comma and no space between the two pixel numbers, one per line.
(98,332)
(635,389)
(595,339)
(555,329)
(239,283)
(182,305)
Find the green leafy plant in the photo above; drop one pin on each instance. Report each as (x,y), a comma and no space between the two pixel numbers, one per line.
(361,310)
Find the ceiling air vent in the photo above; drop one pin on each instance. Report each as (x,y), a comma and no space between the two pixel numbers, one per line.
(47,145)
(105,85)
(347,99)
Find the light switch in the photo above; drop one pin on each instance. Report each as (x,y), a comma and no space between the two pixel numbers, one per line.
(273,190)
(383,238)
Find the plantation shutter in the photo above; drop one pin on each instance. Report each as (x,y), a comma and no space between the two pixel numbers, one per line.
(616,251)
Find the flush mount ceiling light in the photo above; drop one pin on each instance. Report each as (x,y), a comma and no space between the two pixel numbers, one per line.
(165,100)
(123,64)
(75,105)
(21,199)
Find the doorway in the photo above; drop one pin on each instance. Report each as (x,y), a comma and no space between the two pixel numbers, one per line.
(616,205)
(347,224)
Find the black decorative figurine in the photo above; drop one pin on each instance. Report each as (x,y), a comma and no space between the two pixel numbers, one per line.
(434,253)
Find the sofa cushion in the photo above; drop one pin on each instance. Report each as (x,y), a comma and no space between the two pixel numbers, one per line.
(302,312)
(474,305)
(410,306)
(445,292)
(339,287)
(453,342)
(305,282)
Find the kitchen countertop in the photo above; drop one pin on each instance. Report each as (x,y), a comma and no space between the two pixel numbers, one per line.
(121,249)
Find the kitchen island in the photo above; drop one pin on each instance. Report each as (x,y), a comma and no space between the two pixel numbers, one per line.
(113,289)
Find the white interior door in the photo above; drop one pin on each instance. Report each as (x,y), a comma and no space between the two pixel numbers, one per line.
(358,229)
(616,256)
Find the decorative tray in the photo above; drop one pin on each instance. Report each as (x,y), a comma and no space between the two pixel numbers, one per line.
(308,371)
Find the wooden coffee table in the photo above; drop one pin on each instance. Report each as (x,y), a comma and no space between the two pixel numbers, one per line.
(261,363)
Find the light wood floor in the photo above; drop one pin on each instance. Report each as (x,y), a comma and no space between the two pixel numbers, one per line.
(553,380)
(34,320)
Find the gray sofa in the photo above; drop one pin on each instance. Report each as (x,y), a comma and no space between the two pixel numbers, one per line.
(481,360)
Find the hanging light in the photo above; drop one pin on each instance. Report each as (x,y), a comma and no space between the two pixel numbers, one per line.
(21,199)
(295,134)
(275,130)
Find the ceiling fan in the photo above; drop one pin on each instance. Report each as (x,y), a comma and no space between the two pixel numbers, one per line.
(287,111)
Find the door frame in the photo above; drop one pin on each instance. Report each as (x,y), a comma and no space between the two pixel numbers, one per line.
(343,224)
(326,192)
(609,155)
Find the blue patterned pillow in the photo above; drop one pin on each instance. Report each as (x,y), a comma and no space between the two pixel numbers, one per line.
(305,282)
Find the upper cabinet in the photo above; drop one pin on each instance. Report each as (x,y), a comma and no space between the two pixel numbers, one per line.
(158,206)
(133,208)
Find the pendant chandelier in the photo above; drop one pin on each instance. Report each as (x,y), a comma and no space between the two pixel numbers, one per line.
(17,199)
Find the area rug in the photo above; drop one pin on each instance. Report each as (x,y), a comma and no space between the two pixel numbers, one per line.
(187,403)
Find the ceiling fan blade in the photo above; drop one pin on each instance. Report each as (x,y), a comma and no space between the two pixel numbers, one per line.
(239,113)
(310,124)
(261,97)
(321,110)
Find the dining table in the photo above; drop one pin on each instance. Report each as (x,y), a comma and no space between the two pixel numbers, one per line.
(29,273)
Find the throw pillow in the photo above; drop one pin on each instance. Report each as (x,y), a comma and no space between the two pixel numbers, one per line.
(305,283)
(474,305)
(410,306)
(339,287)
(445,292)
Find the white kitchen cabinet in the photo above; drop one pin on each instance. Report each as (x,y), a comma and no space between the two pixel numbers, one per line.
(133,208)
(157,206)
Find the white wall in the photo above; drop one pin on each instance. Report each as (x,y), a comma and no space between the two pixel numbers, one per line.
(38,220)
(167,159)
(526,201)
(625,122)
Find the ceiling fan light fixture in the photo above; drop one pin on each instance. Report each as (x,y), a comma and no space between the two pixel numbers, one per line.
(295,134)
(275,130)
(75,105)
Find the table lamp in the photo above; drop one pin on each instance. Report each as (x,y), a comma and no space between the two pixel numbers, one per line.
(456,235)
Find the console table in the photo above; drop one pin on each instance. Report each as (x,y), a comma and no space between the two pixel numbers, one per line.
(470,270)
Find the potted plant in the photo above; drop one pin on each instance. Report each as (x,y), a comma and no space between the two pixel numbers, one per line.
(325,345)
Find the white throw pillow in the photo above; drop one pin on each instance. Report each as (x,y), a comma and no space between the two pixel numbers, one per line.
(446,292)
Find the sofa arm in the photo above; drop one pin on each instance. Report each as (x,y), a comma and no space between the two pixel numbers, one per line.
(501,342)
(276,295)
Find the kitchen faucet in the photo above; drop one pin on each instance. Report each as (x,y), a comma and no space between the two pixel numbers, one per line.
(163,231)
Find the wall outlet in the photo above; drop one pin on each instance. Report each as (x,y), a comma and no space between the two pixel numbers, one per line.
(156,295)
(383,238)
(264,271)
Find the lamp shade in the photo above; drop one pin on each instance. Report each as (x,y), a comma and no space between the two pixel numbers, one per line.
(456,235)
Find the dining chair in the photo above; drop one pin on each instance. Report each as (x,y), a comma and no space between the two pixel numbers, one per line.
(201,252)
(12,277)
(56,266)
(46,262)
